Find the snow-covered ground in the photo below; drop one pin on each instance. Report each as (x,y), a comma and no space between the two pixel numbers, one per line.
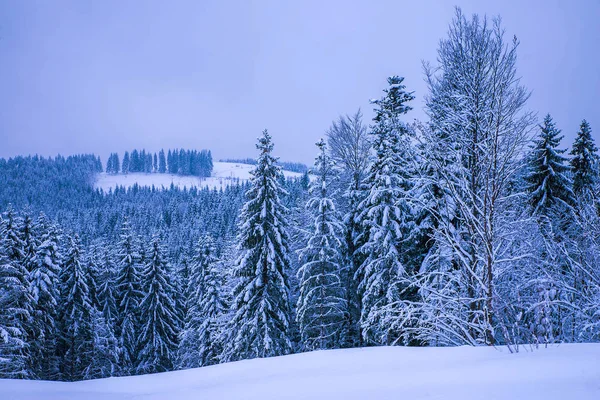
(561,372)
(224,174)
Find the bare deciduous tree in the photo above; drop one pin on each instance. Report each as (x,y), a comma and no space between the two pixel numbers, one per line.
(477,137)
(349,146)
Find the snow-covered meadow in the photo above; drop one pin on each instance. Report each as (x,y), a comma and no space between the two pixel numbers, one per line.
(569,371)
(223,175)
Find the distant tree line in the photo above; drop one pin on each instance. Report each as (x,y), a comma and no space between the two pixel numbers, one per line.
(177,161)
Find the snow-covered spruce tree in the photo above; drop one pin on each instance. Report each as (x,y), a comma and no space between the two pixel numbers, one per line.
(44,279)
(260,323)
(552,203)
(385,214)
(16,303)
(348,143)
(158,315)
(106,288)
(128,293)
(191,277)
(579,281)
(549,183)
(75,340)
(201,336)
(93,266)
(298,220)
(180,276)
(162,163)
(30,241)
(104,354)
(321,311)
(479,130)
(126,163)
(213,309)
(106,350)
(584,161)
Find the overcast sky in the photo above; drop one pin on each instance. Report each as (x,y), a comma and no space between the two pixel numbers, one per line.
(101,76)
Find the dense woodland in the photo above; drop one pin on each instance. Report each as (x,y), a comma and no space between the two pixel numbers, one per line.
(474,227)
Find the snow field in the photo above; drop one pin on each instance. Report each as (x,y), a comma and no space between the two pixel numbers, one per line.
(569,371)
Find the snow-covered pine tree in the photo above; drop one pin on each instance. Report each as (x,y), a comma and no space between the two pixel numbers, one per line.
(260,323)
(385,213)
(158,315)
(104,353)
(213,309)
(126,163)
(162,163)
(549,182)
(16,302)
(321,312)
(106,288)
(201,336)
(354,239)
(298,221)
(180,276)
(128,287)
(93,268)
(190,275)
(75,342)
(44,279)
(577,277)
(30,241)
(349,146)
(585,161)
(551,199)
(109,164)
(106,349)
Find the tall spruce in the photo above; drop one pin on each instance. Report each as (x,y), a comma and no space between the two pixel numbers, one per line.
(201,343)
(322,309)
(584,161)
(104,354)
(159,322)
(349,146)
(162,162)
(260,325)
(75,342)
(128,295)
(126,163)
(106,288)
(45,291)
(384,213)
(16,303)
(549,185)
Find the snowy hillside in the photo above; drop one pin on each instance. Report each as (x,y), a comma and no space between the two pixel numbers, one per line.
(224,174)
(570,371)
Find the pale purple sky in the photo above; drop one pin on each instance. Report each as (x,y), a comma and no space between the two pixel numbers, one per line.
(102,76)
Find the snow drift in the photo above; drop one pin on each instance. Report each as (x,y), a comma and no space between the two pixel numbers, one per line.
(570,371)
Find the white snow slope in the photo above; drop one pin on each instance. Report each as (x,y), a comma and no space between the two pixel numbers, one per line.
(224,174)
(561,372)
